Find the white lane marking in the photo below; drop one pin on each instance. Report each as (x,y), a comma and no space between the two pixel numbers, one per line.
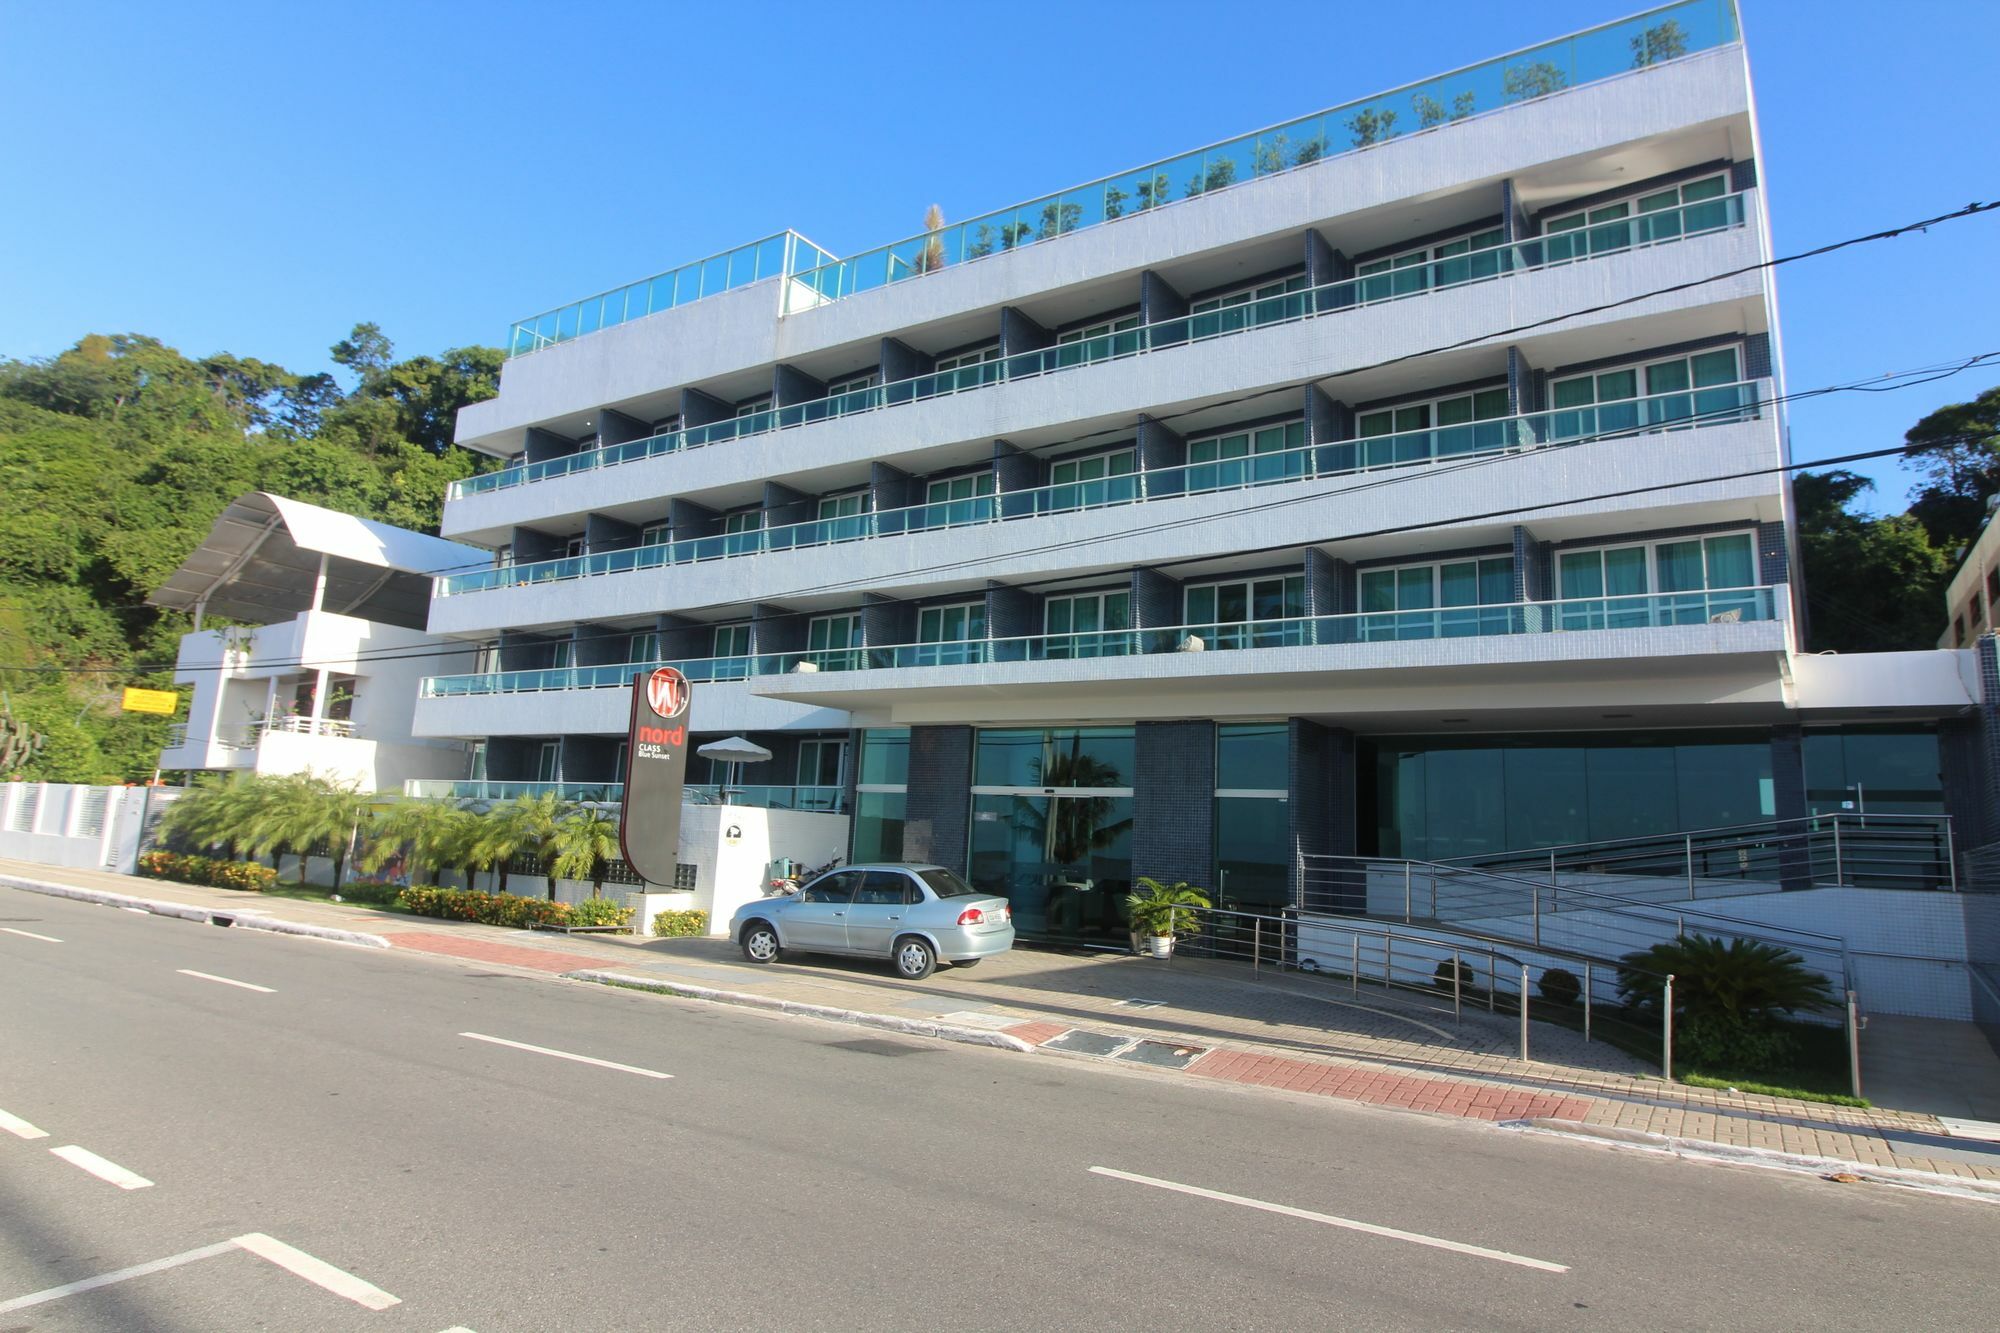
(30,935)
(565,1055)
(106,1279)
(317,1271)
(101,1168)
(20,1128)
(210,976)
(1345,1223)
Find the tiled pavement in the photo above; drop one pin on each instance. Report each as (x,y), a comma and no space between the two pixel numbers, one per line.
(1301,1034)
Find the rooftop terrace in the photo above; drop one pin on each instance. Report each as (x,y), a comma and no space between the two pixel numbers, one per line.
(1606,51)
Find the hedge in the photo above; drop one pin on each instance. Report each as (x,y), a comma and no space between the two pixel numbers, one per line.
(208,870)
(676,925)
(508,909)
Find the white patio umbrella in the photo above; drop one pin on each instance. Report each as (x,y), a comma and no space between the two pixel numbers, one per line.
(734,751)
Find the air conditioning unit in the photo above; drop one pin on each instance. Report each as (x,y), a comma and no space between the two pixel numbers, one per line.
(1193,643)
(804,668)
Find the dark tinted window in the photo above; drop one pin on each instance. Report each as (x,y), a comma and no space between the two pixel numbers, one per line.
(884,888)
(835,888)
(947,885)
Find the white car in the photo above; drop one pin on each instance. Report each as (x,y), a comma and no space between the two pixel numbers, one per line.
(913,915)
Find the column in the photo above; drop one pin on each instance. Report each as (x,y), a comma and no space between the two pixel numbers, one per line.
(938,810)
(1173,803)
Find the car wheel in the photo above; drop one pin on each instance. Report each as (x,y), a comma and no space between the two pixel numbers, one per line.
(760,942)
(965,962)
(915,959)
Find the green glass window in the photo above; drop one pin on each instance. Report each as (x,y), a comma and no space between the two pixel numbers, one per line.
(822,761)
(645,647)
(1608,588)
(1247,307)
(730,645)
(1251,756)
(885,757)
(1035,758)
(1248,613)
(1418,601)
(1249,457)
(1088,624)
(878,826)
(832,642)
(949,634)
(1114,337)
(1083,483)
(1441,428)
(1678,389)
(950,501)
(842,506)
(1481,255)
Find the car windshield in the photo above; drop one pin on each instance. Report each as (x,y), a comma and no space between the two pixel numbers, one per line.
(947,885)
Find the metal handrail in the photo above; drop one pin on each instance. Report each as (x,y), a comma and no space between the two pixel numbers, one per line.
(1943,820)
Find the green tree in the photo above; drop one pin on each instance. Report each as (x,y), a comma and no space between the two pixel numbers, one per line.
(524,826)
(1873,584)
(1957,450)
(1662,41)
(367,352)
(434,833)
(1522,82)
(585,841)
(1372,127)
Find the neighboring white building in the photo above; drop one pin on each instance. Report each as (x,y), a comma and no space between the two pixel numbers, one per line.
(1406,480)
(326,678)
(1972,599)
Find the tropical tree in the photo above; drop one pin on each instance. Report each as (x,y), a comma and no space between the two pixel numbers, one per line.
(300,811)
(212,814)
(435,833)
(1729,996)
(1164,909)
(524,826)
(584,843)
(931,258)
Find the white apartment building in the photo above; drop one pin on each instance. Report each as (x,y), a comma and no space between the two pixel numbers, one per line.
(1401,480)
(324,675)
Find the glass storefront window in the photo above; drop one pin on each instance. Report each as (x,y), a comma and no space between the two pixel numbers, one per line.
(1064,863)
(1064,757)
(1867,770)
(878,826)
(1252,853)
(885,758)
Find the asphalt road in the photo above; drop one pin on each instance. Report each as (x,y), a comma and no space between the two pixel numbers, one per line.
(796,1175)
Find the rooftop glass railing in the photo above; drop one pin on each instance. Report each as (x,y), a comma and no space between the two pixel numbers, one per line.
(1700,606)
(1703,406)
(777,256)
(829,799)
(1580,245)
(1585,57)
(1597,53)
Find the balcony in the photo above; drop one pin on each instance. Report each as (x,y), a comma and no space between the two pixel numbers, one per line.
(820,799)
(1652,611)
(1598,53)
(1331,299)
(1707,406)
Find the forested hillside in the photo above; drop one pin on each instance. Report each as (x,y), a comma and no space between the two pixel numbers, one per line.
(115,459)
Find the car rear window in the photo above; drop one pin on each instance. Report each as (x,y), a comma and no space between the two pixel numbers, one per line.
(947,885)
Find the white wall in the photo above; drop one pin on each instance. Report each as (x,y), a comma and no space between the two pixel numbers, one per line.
(83,827)
(730,870)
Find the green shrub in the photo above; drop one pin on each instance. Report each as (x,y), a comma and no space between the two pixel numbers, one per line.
(247,876)
(679,925)
(1560,986)
(373,892)
(507,909)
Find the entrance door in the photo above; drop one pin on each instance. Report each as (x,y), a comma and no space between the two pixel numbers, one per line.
(1064,861)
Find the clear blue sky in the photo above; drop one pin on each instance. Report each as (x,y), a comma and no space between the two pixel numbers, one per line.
(258,178)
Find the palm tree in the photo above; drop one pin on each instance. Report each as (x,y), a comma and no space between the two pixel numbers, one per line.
(301,811)
(931,258)
(212,814)
(525,825)
(583,844)
(433,831)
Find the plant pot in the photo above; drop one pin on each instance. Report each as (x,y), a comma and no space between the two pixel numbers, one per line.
(1162,946)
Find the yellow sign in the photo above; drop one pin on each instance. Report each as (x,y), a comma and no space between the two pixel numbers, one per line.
(152,701)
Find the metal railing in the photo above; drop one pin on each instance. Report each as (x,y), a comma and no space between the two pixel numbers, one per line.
(305,726)
(1849,848)
(825,799)
(1718,607)
(1709,406)
(1496,262)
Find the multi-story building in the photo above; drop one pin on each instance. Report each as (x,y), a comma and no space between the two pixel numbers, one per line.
(1406,479)
(1972,598)
(321,673)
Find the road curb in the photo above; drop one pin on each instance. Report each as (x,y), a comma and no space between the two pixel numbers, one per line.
(913,1027)
(189,912)
(1769,1159)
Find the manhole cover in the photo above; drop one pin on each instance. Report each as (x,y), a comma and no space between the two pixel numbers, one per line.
(1162,1054)
(1086,1043)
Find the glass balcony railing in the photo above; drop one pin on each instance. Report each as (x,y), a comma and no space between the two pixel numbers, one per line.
(829,799)
(1706,216)
(1585,57)
(1715,606)
(777,256)
(1704,406)
(610,676)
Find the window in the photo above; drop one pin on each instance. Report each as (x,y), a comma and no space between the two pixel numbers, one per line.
(750,407)
(548,761)
(1450,599)
(645,647)
(667,425)
(1480,255)
(886,888)
(850,393)
(951,501)
(562,653)
(843,517)
(963,370)
(1701,579)
(1087,624)
(1116,337)
(741,530)
(950,634)
(654,534)
(1246,307)
(573,546)
(1439,428)
(833,642)
(1248,613)
(729,646)
(822,763)
(1249,458)
(1700,388)
(837,887)
(1085,483)
(1678,210)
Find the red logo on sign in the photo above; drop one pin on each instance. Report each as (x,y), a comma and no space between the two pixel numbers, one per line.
(667,691)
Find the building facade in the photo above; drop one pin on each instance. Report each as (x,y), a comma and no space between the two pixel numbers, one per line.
(1404,480)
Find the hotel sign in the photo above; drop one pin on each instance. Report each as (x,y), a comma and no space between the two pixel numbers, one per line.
(656,753)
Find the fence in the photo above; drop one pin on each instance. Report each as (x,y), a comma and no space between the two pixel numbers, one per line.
(82,827)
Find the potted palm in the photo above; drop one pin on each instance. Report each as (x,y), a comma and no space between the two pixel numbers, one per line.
(1160,912)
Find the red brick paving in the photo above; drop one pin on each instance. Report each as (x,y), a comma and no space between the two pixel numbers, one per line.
(1036,1033)
(486,951)
(1474,1101)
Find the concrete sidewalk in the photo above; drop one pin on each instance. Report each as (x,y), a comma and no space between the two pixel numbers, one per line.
(1205,1019)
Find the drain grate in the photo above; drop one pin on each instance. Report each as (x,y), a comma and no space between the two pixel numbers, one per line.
(1086,1043)
(1162,1054)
